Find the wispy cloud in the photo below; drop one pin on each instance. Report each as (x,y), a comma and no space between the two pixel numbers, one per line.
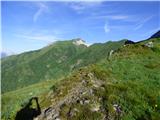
(118,17)
(148,34)
(106,27)
(142,22)
(42,8)
(38,37)
(6,51)
(111,17)
(79,7)
(154,30)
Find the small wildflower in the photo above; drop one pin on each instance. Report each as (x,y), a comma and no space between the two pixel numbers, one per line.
(156,105)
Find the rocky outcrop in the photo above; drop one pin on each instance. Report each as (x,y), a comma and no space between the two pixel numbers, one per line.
(79,41)
(82,94)
(149,44)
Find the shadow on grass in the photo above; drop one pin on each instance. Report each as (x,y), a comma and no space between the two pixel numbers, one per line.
(27,112)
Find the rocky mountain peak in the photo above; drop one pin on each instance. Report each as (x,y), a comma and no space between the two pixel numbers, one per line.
(79,41)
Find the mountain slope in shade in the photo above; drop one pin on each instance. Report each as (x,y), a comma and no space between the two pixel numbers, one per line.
(51,62)
(156,35)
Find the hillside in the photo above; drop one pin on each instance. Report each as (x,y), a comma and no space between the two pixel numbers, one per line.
(126,86)
(51,62)
(123,86)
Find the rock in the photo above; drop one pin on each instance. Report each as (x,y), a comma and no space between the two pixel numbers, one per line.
(100,99)
(81,102)
(56,115)
(90,75)
(79,41)
(117,108)
(84,93)
(149,44)
(57,119)
(111,52)
(84,82)
(95,108)
(96,85)
(47,111)
(76,110)
(71,112)
(61,93)
(91,92)
(86,101)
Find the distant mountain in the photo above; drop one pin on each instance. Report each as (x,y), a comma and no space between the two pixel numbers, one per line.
(5,54)
(156,35)
(52,62)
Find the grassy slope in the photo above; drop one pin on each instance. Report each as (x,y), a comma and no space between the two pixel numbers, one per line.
(12,101)
(51,62)
(131,77)
(131,80)
(32,67)
(136,81)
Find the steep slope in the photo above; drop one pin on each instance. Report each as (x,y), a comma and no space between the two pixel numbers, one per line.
(44,64)
(123,86)
(52,62)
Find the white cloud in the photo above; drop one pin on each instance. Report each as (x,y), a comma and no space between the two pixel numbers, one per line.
(142,22)
(42,8)
(106,27)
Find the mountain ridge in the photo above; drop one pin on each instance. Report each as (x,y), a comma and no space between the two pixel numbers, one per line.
(127,82)
(108,89)
(107,81)
(53,61)
(156,35)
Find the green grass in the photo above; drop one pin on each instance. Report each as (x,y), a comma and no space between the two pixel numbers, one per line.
(51,62)
(134,82)
(13,101)
(32,67)
(131,78)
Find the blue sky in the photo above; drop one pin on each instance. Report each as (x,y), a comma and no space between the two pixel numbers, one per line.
(33,25)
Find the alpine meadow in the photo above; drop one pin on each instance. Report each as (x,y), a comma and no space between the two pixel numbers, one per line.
(84,60)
